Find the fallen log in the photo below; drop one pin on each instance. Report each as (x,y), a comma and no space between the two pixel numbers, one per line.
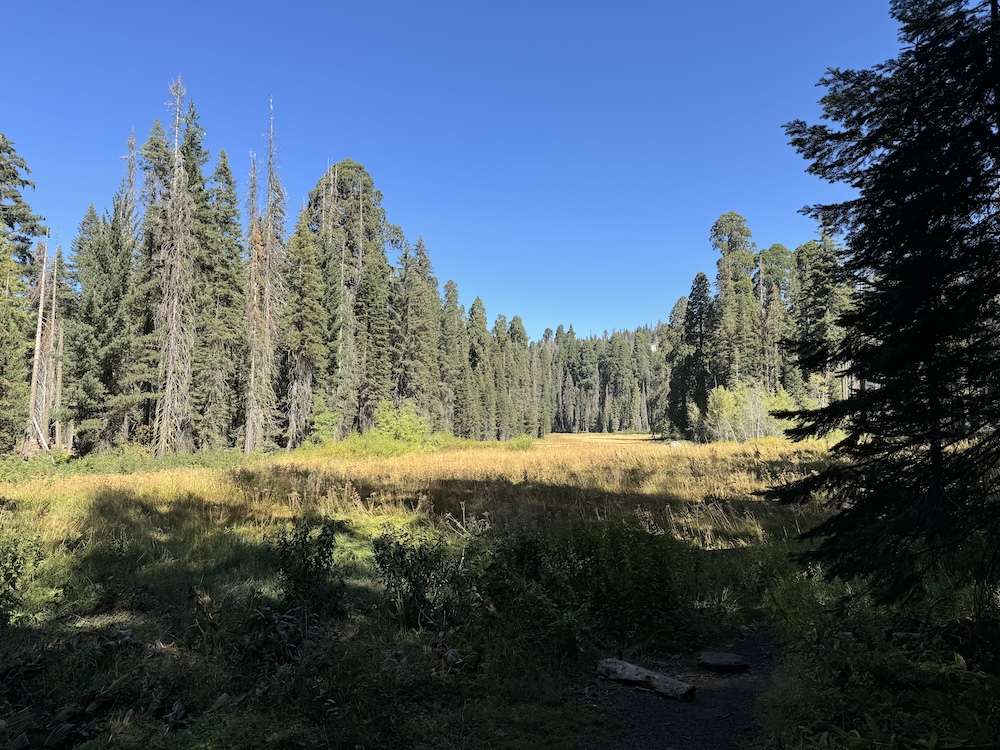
(630,674)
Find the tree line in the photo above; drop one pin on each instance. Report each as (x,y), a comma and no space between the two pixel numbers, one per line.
(181,322)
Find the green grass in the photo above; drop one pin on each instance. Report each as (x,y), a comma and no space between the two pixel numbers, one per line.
(471,588)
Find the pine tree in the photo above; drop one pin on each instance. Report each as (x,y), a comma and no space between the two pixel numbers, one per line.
(416,374)
(17,222)
(220,349)
(265,300)
(691,379)
(772,284)
(733,344)
(174,317)
(917,138)
(14,325)
(457,412)
(346,211)
(820,299)
(304,329)
(483,380)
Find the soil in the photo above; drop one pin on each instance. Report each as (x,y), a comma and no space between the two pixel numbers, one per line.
(720,716)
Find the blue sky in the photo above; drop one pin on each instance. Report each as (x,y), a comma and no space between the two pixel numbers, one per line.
(562,160)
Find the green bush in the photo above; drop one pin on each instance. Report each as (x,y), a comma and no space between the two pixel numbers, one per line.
(423,579)
(589,584)
(563,590)
(306,564)
(521,443)
(17,558)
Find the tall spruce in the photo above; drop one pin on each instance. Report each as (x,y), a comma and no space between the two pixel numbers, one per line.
(18,224)
(733,343)
(417,305)
(917,138)
(305,327)
(220,349)
(459,412)
(772,284)
(14,322)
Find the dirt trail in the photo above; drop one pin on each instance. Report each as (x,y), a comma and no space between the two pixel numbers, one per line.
(719,717)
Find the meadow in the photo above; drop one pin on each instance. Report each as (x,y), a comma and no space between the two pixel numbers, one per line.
(431,594)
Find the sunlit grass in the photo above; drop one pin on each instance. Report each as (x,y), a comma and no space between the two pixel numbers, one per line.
(563,476)
(121,553)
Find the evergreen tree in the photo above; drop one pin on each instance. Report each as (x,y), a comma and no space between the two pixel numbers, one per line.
(733,344)
(305,326)
(917,138)
(820,299)
(690,381)
(264,299)
(346,211)
(457,407)
(772,282)
(483,380)
(416,375)
(14,325)
(176,240)
(220,349)
(667,409)
(17,222)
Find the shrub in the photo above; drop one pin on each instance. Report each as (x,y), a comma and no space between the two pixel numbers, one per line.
(17,557)
(422,578)
(306,564)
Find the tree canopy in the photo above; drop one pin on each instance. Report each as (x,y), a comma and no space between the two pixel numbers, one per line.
(917,137)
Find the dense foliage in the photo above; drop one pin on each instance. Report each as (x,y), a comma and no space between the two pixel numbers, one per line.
(170,326)
(917,137)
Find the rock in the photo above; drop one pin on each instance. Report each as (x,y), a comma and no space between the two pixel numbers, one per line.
(674,444)
(718,661)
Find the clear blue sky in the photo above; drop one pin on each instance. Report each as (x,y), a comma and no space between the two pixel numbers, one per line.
(563,160)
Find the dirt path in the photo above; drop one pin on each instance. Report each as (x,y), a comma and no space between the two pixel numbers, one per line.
(719,717)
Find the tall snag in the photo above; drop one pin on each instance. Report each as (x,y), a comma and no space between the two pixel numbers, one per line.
(173,320)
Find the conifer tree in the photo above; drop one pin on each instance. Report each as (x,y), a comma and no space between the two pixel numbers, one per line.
(483,382)
(820,299)
(304,327)
(220,349)
(13,349)
(691,379)
(733,342)
(457,408)
(176,241)
(417,310)
(772,282)
(18,224)
(916,137)
(265,300)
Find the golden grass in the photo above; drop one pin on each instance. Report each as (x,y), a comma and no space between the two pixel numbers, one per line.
(563,476)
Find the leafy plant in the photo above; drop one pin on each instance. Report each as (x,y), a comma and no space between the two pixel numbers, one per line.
(17,557)
(306,564)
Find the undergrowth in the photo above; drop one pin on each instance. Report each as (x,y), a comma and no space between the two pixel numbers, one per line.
(857,674)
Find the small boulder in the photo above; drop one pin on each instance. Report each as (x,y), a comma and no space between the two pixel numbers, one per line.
(718,661)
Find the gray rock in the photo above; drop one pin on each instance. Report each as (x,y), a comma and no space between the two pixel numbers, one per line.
(718,661)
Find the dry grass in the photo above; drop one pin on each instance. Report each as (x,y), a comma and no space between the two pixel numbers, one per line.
(703,492)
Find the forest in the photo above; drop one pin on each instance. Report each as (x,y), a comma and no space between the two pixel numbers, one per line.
(285,490)
(179,322)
